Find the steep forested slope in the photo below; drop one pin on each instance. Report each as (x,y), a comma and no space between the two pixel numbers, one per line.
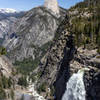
(86,24)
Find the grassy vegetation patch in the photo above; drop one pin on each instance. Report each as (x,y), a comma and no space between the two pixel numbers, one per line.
(5,83)
(26,66)
(42,87)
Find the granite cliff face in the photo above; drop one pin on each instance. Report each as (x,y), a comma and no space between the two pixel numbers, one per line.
(7,19)
(5,66)
(35,29)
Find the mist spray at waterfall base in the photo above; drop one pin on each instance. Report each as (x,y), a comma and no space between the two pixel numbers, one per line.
(75,89)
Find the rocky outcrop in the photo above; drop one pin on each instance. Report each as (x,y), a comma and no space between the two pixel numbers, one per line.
(33,30)
(92,81)
(7,21)
(52,5)
(6,25)
(5,66)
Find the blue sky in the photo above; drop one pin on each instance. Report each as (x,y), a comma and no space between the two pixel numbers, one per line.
(28,4)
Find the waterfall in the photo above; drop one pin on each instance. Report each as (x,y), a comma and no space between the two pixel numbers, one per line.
(75,89)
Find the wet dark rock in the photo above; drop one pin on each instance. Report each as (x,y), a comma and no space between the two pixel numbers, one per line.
(92,81)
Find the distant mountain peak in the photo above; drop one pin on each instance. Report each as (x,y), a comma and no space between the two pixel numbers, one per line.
(7,10)
(52,5)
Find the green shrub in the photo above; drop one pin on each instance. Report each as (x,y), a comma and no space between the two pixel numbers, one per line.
(26,66)
(52,91)
(98,57)
(42,88)
(23,81)
(5,82)
(2,94)
(3,51)
(98,50)
(12,94)
(33,78)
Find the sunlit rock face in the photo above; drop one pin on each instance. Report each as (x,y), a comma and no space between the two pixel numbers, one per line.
(36,28)
(53,5)
(8,18)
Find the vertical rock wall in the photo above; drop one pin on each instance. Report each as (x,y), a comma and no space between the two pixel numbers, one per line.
(53,5)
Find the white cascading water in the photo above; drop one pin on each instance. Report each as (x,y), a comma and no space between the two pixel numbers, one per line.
(75,89)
